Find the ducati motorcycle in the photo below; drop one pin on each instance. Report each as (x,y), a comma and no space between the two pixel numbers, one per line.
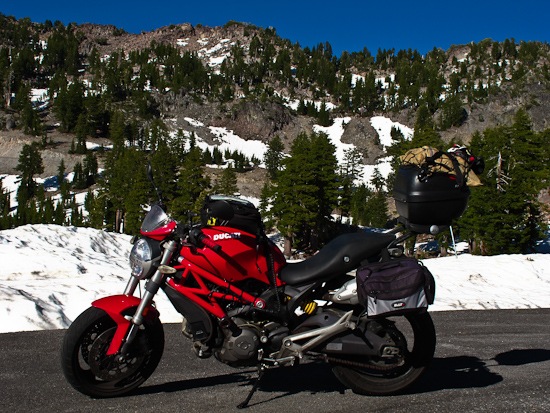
(245,305)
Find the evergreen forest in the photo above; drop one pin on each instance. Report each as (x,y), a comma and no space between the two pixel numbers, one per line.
(128,95)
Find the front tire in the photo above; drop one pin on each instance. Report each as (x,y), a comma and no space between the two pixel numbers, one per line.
(90,371)
(415,335)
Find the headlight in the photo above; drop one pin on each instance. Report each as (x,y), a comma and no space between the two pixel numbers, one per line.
(144,254)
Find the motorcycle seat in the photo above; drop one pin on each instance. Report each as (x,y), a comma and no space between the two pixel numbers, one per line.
(341,255)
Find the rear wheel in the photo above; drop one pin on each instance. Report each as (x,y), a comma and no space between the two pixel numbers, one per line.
(413,336)
(89,369)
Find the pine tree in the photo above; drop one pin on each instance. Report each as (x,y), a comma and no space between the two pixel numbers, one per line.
(61,173)
(81,130)
(95,205)
(29,165)
(79,179)
(424,130)
(69,105)
(377,210)
(434,89)
(504,216)
(377,180)
(294,198)
(323,117)
(227,184)
(274,156)
(358,205)
(59,214)
(266,199)
(350,172)
(192,185)
(48,210)
(165,168)
(76,214)
(369,207)
(90,169)
(453,114)
(32,125)
(217,156)
(137,191)
(5,217)
(97,116)
(306,192)
(127,188)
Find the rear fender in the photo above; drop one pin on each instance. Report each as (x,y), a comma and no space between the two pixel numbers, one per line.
(118,307)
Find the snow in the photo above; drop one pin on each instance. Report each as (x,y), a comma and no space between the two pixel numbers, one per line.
(228,140)
(194,122)
(39,95)
(334,133)
(10,183)
(468,282)
(383,127)
(50,274)
(216,54)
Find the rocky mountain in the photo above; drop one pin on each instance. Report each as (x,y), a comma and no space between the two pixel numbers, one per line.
(259,85)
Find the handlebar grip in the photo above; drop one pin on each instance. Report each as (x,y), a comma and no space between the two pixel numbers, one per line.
(208,243)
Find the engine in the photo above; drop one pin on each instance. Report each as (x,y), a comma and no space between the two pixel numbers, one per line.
(242,350)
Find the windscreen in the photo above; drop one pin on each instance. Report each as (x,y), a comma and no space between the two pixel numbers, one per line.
(154,219)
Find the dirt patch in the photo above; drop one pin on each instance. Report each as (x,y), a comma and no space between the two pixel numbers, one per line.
(57,149)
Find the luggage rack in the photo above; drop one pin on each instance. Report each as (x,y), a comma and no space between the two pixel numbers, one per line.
(432,229)
(410,230)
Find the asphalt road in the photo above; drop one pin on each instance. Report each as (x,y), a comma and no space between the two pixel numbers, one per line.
(486,361)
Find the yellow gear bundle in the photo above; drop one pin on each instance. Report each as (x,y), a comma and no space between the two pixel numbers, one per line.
(434,160)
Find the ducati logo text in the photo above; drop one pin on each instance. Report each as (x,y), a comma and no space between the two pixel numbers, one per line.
(233,235)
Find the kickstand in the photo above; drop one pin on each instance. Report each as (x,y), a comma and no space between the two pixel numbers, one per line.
(255,386)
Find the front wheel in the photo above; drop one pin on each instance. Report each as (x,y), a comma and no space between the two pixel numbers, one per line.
(89,369)
(413,335)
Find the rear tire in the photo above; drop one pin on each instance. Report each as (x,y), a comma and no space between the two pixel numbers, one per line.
(90,371)
(384,377)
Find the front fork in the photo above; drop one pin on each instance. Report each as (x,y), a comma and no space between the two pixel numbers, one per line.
(127,331)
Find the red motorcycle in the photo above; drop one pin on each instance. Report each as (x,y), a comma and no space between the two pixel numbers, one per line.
(244,304)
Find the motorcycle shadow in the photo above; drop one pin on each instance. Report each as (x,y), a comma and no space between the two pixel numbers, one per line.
(457,372)
(312,378)
(197,383)
(444,373)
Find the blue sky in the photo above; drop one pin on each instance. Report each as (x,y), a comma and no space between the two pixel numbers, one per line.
(346,25)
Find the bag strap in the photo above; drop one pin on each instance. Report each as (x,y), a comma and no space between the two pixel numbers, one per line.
(430,161)
(458,171)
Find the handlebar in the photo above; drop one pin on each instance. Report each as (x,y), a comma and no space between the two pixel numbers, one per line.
(197,237)
(208,243)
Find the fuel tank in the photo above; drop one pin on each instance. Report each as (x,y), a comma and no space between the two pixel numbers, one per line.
(243,256)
